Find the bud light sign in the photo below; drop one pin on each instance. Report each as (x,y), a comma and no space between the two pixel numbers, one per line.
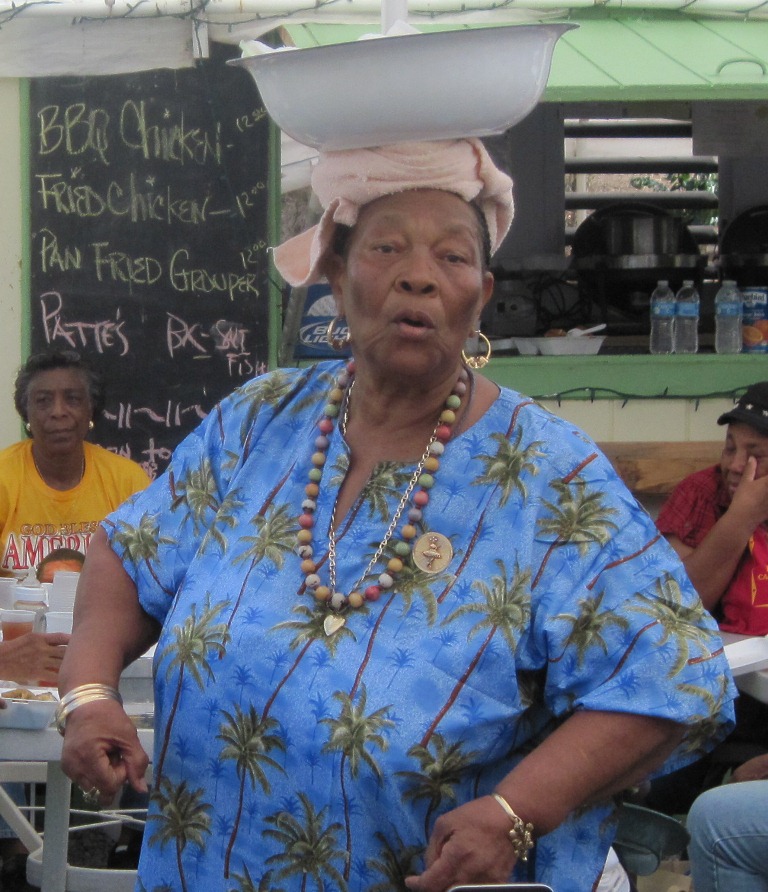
(319,312)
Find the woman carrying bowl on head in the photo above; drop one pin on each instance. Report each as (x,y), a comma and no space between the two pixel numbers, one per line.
(411,629)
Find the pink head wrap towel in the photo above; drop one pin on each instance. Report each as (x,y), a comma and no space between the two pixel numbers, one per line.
(345,180)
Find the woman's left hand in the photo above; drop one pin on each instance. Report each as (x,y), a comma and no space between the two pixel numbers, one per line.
(469,844)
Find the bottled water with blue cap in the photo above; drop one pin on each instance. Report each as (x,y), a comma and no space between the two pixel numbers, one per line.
(687,318)
(728,315)
(662,318)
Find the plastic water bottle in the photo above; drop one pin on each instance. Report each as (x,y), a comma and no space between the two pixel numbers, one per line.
(728,313)
(662,318)
(687,318)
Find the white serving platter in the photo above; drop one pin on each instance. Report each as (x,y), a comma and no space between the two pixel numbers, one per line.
(27,714)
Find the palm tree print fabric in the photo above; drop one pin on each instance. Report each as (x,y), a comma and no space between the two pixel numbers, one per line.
(287,760)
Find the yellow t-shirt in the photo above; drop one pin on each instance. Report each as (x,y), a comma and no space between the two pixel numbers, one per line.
(36,520)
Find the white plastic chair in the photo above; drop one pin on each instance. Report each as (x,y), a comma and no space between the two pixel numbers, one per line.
(21,821)
(93,879)
(19,818)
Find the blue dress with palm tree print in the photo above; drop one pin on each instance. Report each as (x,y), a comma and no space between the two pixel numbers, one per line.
(286,759)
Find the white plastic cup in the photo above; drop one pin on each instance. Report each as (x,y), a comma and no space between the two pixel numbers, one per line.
(16,623)
(7,585)
(58,621)
(62,592)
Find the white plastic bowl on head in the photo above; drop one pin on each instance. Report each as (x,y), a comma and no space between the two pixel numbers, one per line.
(411,87)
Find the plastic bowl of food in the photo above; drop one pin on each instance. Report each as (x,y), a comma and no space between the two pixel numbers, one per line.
(407,86)
(570,345)
(29,708)
(527,346)
(566,345)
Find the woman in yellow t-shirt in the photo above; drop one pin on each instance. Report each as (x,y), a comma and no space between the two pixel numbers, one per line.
(54,489)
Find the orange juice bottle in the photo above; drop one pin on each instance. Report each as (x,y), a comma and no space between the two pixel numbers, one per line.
(754,329)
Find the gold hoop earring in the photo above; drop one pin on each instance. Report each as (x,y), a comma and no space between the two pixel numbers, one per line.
(479,362)
(335,342)
(91,425)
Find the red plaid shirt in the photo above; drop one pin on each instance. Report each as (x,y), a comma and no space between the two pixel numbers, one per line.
(695,506)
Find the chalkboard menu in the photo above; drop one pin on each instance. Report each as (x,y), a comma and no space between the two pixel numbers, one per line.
(148,212)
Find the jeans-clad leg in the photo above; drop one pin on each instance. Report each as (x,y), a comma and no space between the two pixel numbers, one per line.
(729,838)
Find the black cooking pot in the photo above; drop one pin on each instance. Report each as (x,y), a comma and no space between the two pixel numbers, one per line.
(747,233)
(621,251)
(744,248)
(627,228)
(634,233)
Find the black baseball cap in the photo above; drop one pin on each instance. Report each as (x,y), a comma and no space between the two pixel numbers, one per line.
(751,409)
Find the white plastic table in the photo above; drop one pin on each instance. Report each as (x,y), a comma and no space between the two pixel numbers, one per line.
(753,681)
(44,746)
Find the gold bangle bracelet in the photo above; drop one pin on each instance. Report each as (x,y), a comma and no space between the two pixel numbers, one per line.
(79,696)
(521,834)
(76,692)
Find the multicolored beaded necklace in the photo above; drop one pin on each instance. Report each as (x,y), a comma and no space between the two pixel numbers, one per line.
(417,491)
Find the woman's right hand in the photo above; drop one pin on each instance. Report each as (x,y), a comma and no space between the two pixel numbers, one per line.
(102,750)
(34,658)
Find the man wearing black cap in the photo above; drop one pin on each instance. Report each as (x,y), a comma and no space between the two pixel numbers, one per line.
(716,520)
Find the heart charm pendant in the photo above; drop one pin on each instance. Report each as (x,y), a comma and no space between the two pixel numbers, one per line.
(332,623)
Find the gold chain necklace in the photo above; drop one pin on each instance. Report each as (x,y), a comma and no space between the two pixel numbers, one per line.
(337,596)
(42,476)
(431,552)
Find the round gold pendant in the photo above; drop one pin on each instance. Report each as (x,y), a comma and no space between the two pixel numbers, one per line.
(432,552)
